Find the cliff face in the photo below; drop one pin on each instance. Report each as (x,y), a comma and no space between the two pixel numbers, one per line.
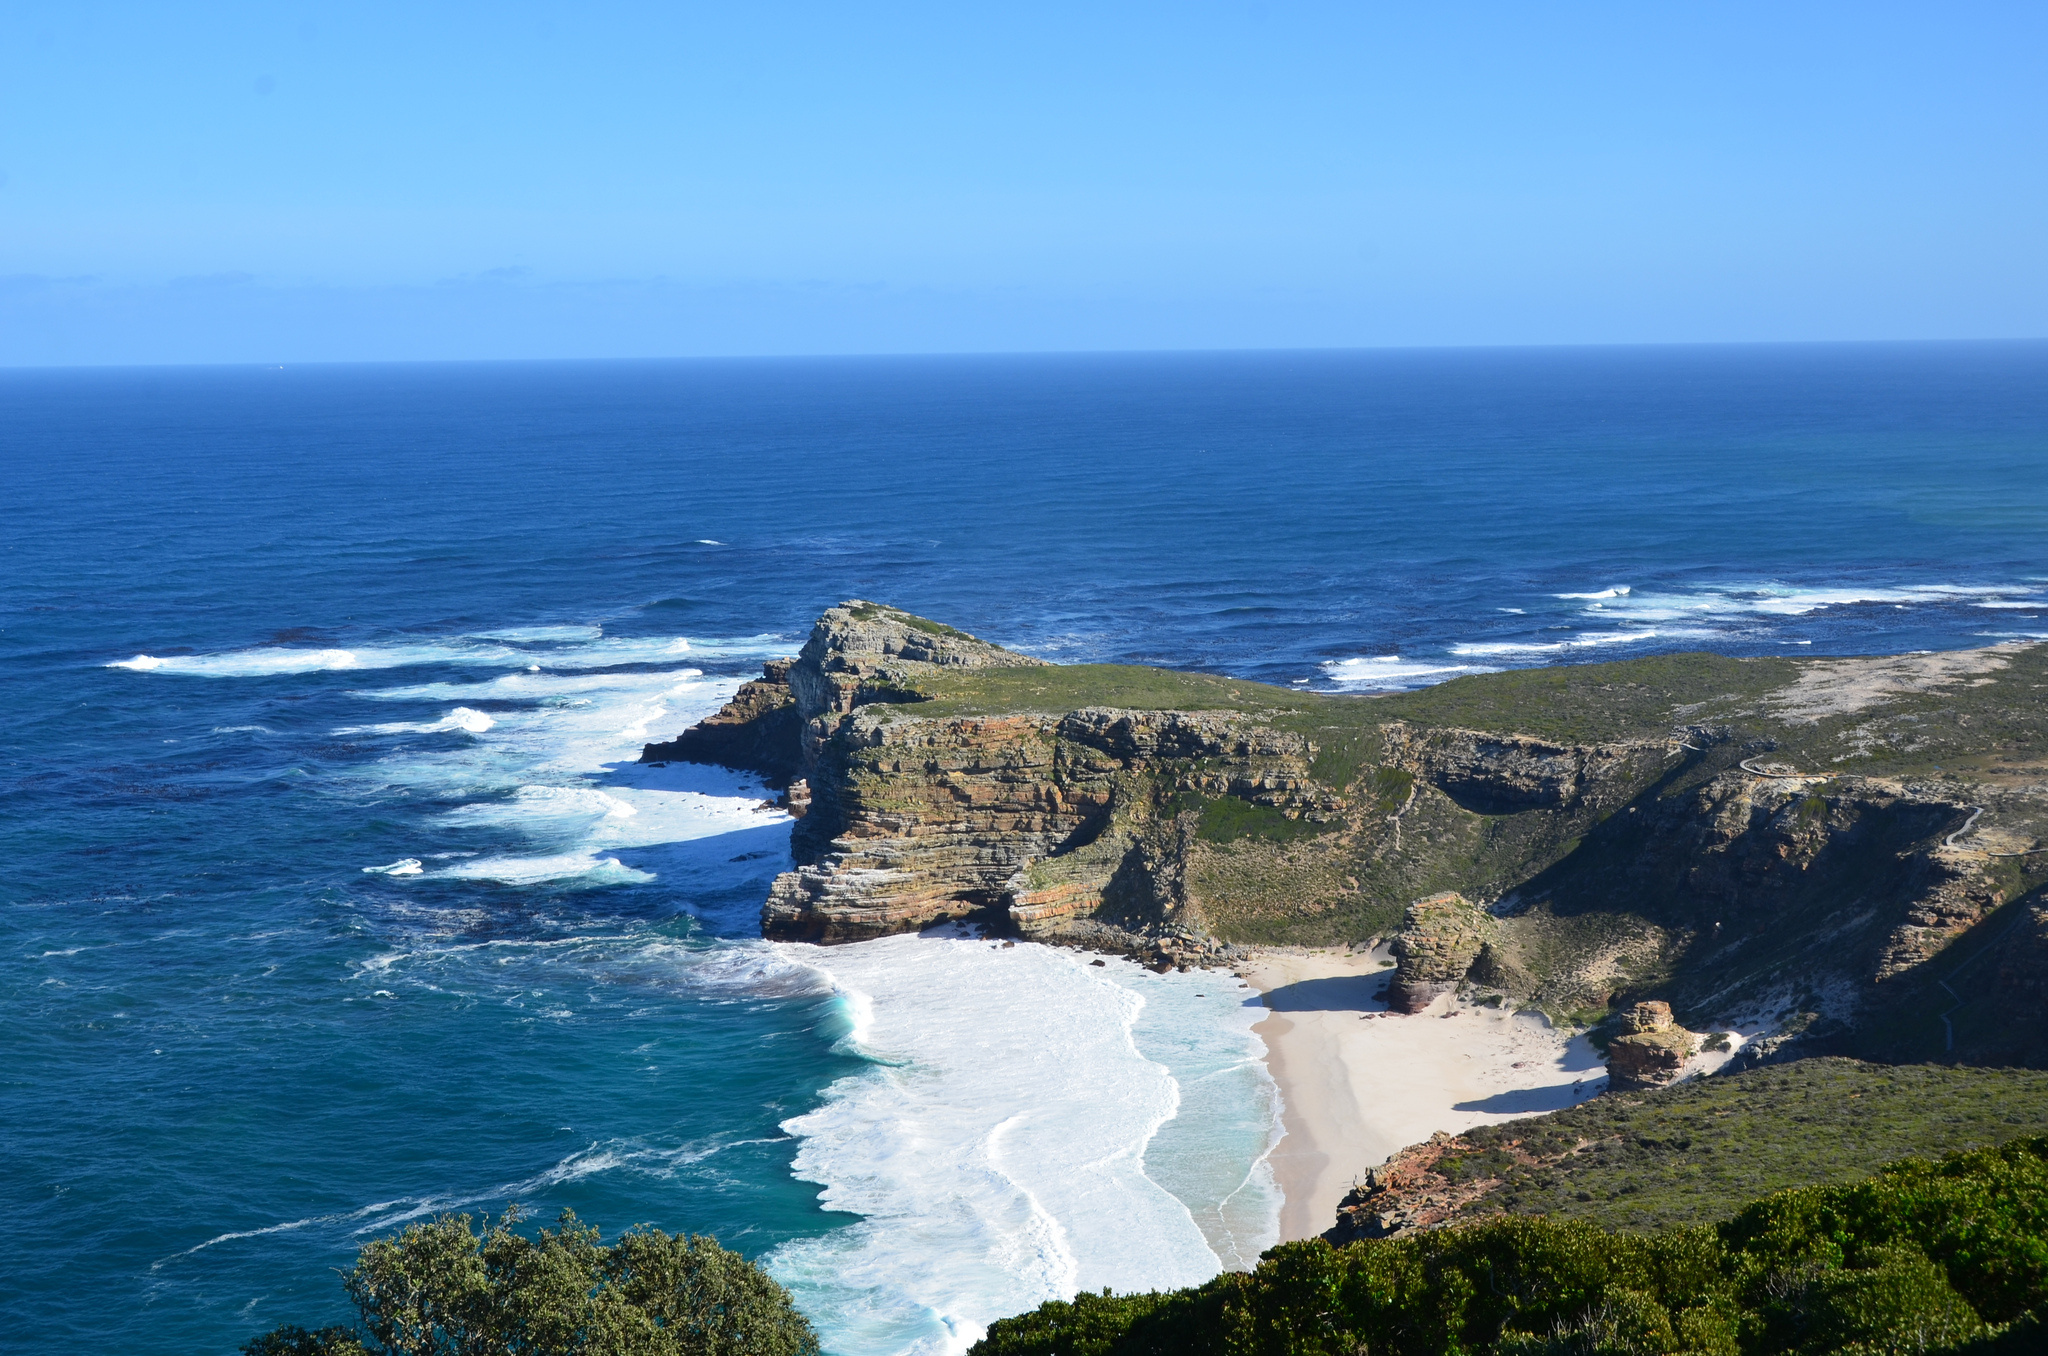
(1630,830)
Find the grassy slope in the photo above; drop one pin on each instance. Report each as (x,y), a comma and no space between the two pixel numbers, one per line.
(1994,727)
(1698,1152)
(1267,882)
(1069,687)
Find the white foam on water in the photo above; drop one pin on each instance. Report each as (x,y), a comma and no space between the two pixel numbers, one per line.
(1584,640)
(1000,1147)
(404,866)
(461,718)
(1766,599)
(1617,591)
(258,663)
(580,648)
(528,635)
(1369,672)
(581,868)
(559,770)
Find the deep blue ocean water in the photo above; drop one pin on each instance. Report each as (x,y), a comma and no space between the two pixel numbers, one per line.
(333,900)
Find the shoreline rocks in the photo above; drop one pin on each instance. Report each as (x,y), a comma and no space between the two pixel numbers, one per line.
(757,731)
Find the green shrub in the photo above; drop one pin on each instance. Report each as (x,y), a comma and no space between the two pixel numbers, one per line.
(1226,819)
(444,1289)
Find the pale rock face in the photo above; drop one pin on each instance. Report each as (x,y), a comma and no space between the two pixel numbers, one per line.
(1652,1050)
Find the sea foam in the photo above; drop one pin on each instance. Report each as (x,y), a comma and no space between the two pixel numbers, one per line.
(1390,672)
(1004,1147)
(551,647)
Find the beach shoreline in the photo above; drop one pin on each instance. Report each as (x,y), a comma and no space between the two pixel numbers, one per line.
(1358,1083)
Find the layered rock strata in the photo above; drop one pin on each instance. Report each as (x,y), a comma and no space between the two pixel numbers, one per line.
(1440,938)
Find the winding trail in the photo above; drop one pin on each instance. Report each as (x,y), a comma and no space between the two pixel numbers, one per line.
(1781,776)
(1976,810)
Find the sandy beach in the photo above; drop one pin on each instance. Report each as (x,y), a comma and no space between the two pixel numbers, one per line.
(1360,1083)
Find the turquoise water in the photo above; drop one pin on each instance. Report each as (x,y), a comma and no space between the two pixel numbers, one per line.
(334,899)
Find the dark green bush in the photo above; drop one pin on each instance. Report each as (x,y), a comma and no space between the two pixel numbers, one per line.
(1950,1256)
(445,1289)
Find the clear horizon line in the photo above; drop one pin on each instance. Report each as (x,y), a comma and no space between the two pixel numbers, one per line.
(966,354)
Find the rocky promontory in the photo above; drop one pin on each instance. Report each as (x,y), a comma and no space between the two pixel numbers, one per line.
(1651,1050)
(1440,937)
(1724,836)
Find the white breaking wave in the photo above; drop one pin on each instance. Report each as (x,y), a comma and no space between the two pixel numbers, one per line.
(582,868)
(1779,600)
(584,647)
(558,768)
(999,1148)
(529,635)
(1618,591)
(1369,672)
(461,718)
(1584,640)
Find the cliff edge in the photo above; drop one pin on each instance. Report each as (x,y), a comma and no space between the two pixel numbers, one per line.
(1819,845)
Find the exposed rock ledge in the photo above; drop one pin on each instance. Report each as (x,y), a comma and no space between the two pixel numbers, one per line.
(1638,851)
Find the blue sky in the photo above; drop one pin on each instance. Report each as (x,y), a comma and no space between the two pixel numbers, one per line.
(294,182)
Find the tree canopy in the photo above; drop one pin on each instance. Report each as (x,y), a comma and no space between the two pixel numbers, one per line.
(450,1288)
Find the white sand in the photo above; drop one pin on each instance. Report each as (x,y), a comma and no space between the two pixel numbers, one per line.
(1360,1083)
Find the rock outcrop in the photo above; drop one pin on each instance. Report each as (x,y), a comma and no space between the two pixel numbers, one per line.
(1664,837)
(1440,938)
(757,731)
(1651,1050)
(1022,820)
(1408,1193)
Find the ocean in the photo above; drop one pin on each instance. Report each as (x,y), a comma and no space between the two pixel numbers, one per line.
(334,898)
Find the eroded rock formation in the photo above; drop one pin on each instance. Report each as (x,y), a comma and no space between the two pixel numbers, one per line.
(1408,1193)
(1651,1050)
(1440,938)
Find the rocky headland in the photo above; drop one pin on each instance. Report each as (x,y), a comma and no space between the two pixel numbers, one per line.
(1842,850)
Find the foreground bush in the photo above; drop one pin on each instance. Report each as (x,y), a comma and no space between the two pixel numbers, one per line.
(445,1289)
(1950,1256)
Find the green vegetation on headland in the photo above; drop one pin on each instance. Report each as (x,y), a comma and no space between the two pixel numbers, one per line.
(1948,1256)
(1697,1152)
(1969,723)
(1846,851)
(1071,687)
(445,1288)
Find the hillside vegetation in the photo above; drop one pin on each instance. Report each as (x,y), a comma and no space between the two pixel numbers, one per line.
(1948,1256)
(1696,1153)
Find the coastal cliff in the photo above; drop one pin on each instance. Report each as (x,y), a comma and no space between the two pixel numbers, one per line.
(1821,843)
